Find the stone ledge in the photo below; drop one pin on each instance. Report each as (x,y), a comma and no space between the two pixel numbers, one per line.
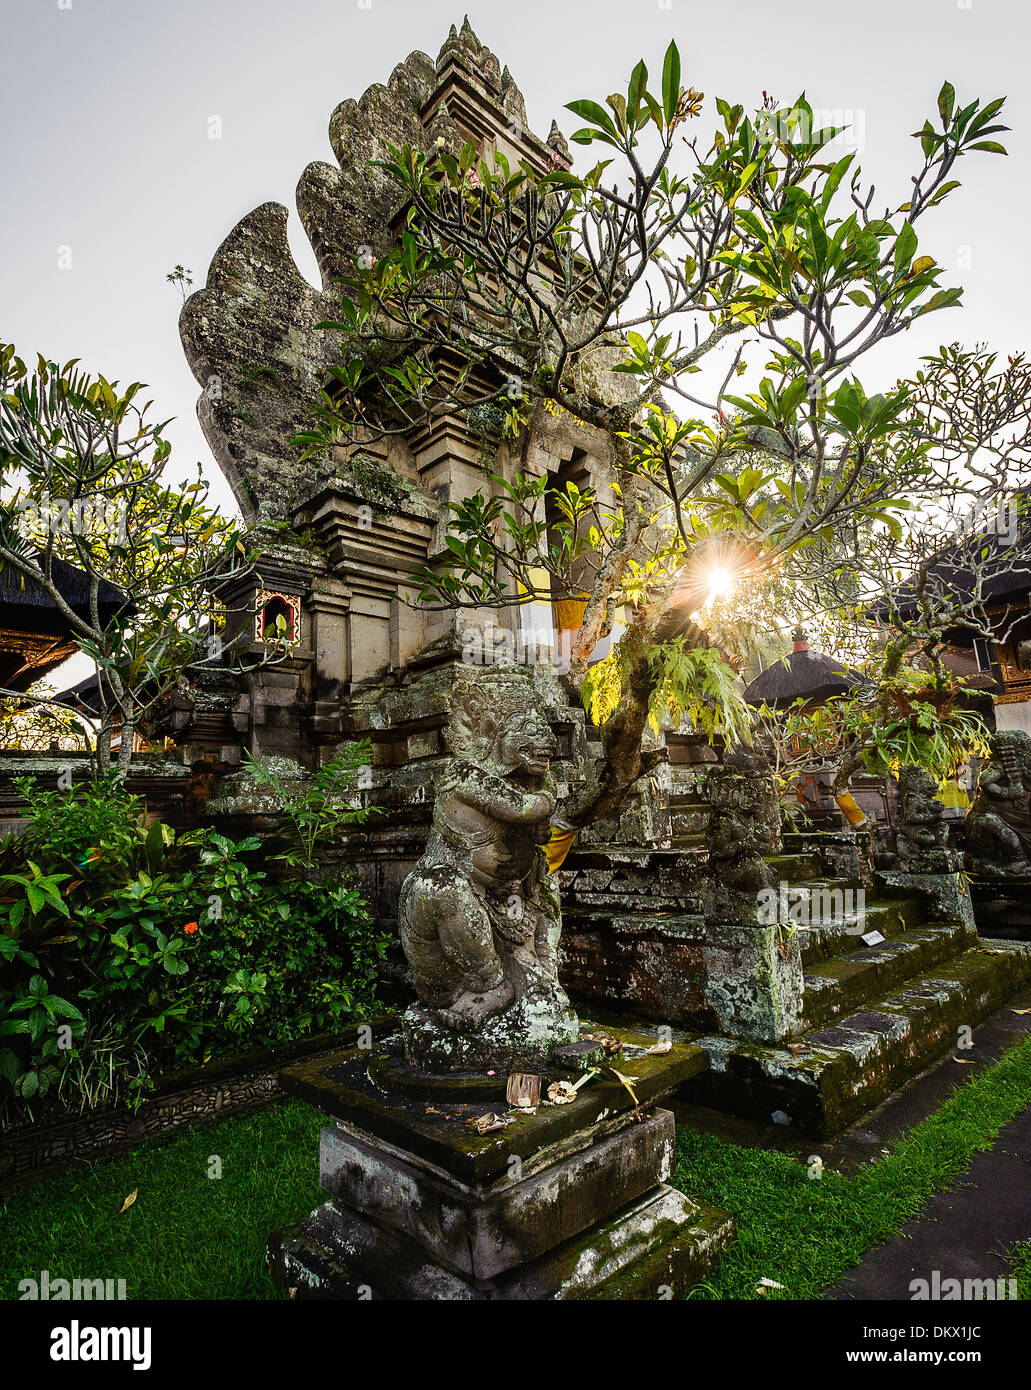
(341,1087)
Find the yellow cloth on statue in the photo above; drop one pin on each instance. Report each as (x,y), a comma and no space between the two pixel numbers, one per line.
(558,847)
(954,797)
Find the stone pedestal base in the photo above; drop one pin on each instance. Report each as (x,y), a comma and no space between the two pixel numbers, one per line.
(569,1201)
(522,1037)
(658,1247)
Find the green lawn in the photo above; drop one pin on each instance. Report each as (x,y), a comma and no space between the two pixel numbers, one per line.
(189,1235)
(804,1233)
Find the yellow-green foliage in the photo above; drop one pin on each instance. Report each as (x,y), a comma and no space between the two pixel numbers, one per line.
(692,683)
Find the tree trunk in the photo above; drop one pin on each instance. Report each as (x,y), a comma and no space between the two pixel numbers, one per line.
(622,734)
(125,747)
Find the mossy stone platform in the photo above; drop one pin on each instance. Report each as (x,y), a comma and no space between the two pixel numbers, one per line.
(830,1077)
(873,1015)
(567,1201)
(882,976)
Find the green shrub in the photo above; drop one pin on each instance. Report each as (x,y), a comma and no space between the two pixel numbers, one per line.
(128,950)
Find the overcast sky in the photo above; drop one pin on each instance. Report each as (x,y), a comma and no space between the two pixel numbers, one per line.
(108,105)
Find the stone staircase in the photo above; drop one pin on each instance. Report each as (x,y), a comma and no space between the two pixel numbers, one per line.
(689,814)
(873,1014)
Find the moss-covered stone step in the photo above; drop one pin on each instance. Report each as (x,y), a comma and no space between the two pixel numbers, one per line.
(839,985)
(837,922)
(682,1261)
(688,795)
(794,868)
(687,840)
(656,1247)
(832,1076)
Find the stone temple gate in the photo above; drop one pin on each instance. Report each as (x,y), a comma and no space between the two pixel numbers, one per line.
(372,515)
(815,1010)
(342,540)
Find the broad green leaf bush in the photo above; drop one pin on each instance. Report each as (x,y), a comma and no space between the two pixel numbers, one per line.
(128,951)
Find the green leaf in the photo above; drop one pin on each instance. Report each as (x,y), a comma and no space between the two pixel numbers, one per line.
(671,81)
(636,90)
(593,112)
(834,179)
(67,1010)
(618,104)
(905,247)
(946,103)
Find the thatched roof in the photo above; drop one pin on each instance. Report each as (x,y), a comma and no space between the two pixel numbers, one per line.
(25,606)
(809,675)
(35,636)
(86,695)
(997,567)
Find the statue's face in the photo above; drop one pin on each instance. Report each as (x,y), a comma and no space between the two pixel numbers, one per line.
(527,745)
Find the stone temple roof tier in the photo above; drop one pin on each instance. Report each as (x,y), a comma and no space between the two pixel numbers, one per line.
(250,334)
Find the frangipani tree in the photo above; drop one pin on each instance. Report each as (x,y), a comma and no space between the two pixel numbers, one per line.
(83,480)
(510,294)
(909,599)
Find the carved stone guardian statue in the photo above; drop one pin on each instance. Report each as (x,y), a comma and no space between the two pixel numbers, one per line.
(998,824)
(479,917)
(922,838)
